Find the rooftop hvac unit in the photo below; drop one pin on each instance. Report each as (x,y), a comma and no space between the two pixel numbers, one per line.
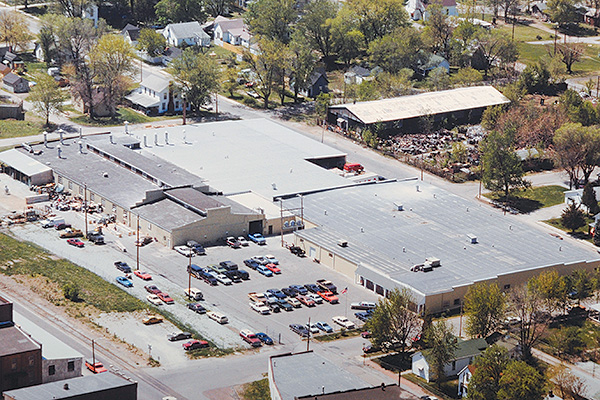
(398,207)
(342,243)
(472,238)
(434,262)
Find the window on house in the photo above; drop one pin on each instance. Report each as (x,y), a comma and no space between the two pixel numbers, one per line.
(506,287)
(13,365)
(71,366)
(51,370)
(165,97)
(457,302)
(453,365)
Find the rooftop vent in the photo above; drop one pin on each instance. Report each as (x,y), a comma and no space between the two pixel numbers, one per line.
(66,386)
(342,243)
(105,174)
(472,238)
(435,262)
(398,206)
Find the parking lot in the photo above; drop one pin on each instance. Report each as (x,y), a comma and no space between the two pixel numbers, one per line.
(169,271)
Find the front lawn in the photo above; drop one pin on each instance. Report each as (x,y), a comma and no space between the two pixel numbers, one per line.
(10,128)
(532,198)
(123,114)
(581,233)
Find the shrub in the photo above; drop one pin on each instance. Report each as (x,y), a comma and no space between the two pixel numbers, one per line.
(249,101)
(71,292)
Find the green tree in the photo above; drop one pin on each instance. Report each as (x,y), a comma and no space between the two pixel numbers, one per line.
(322,104)
(567,341)
(562,12)
(597,233)
(466,77)
(14,30)
(525,302)
(536,78)
(46,96)
(459,152)
(484,307)
(46,39)
(493,48)
(438,79)
(572,217)
(272,19)
(569,53)
(218,7)
(501,165)
(588,199)
(568,150)
(315,24)
(489,368)
(152,42)
(553,289)
(348,42)
(230,84)
(170,11)
(397,50)
(438,30)
(393,321)
(442,345)
(581,285)
(71,292)
(266,66)
(521,381)
(197,75)
(369,136)
(302,63)
(112,59)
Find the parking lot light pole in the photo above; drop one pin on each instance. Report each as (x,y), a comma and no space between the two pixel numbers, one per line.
(308,337)
(137,244)
(85,207)
(190,275)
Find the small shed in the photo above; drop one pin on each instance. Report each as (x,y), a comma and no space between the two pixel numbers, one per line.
(15,83)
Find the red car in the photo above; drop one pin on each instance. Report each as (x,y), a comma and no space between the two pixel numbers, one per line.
(96,367)
(165,297)
(142,275)
(75,242)
(195,344)
(329,297)
(152,289)
(273,268)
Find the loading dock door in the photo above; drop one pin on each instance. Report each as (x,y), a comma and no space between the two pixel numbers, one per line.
(312,253)
(255,227)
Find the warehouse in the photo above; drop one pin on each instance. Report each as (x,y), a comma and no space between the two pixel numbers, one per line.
(24,169)
(406,112)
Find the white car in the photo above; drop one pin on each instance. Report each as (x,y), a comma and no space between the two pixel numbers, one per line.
(221,278)
(261,260)
(260,308)
(315,297)
(185,251)
(312,328)
(293,302)
(243,241)
(271,259)
(343,321)
(270,296)
(154,299)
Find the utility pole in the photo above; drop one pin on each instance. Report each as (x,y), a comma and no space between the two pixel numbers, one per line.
(281,218)
(189,276)
(308,339)
(137,243)
(183,98)
(555,37)
(85,208)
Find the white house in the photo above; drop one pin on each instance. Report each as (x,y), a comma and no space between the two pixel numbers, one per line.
(417,9)
(465,354)
(464,376)
(232,31)
(190,33)
(131,34)
(91,12)
(154,96)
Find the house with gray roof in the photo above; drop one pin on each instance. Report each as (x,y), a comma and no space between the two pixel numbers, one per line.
(154,96)
(15,83)
(190,33)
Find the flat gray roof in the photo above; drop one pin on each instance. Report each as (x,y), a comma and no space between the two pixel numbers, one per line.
(167,214)
(431,103)
(434,223)
(21,162)
(238,156)
(193,198)
(15,341)
(77,387)
(305,374)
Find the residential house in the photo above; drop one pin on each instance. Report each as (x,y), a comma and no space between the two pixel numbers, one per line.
(5,70)
(464,377)
(190,33)
(14,61)
(430,62)
(317,84)
(170,54)
(155,96)
(232,31)
(464,354)
(15,83)
(131,33)
(91,12)
(356,75)
(417,9)
(101,107)
(540,10)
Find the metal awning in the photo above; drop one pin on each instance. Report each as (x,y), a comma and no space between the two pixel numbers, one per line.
(143,100)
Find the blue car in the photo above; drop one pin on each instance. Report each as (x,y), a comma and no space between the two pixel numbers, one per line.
(257,238)
(263,337)
(124,281)
(264,270)
(250,263)
(301,289)
(324,326)
(277,293)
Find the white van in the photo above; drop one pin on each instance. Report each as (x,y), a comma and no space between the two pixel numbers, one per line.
(220,318)
(194,294)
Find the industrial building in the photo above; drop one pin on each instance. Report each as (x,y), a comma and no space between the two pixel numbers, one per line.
(461,105)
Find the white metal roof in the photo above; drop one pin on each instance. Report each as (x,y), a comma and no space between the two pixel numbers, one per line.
(431,103)
(21,162)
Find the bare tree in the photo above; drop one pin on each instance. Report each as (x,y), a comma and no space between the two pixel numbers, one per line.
(527,303)
(567,385)
(568,53)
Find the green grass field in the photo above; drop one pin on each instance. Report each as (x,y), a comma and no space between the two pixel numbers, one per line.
(10,128)
(532,198)
(123,114)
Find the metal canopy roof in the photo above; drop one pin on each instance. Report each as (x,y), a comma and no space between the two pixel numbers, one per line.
(22,162)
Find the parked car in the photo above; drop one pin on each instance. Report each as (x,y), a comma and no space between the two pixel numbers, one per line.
(165,298)
(272,260)
(96,367)
(233,242)
(329,297)
(263,337)
(326,285)
(257,238)
(124,281)
(264,270)
(196,247)
(273,305)
(290,292)
(311,287)
(369,348)
(260,308)
(324,326)
(61,226)
(215,316)
(285,305)
(184,251)
(252,264)
(297,251)
(152,319)
(95,237)
(222,279)
(277,293)
(75,242)
(261,260)
(294,303)
(197,307)
(365,334)
(154,299)
(229,265)
(71,233)
(343,321)
(363,316)
(312,328)
(195,344)
(300,289)
(243,241)
(47,224)
(193,294)
(299,329)
(307,301)
(152,289)
(233,275)
(273,268)
(315,297)
(122,266)
(173,337)
(143,241)
(250,338)
(363,305)
(142,275)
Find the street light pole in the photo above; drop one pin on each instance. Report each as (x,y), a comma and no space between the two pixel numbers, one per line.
(137,243)
(85,208)
(183,98)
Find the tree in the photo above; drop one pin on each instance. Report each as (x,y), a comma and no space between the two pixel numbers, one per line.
(442,345)
(197,75)
(572,217)
(71,292)
(266,66)
(501,165)
(493,48)
(322,104)
(393,321)
(567,385)
(218,7)
(588,199)
(46,96)
(484,307)
(230,84)
(438,79)
(46,39)
(562,12)
(397,50)
(489,367)
(567,341)
(581,285)
(112,60)
(152,42)
(553,289)
(577,149)
(438,31)
(315,24)
(466,77)
(494,5)
(536,78)
(73,8)
(14,30)
(521,381)
(569,53)
(526,302)
(169,11)
(597,233)
(272,19)
(302,63)
(348,43)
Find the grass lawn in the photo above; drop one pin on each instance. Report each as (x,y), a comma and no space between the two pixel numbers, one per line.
(336,335)
(581,233)
(123,114)
(257,390)
(525,33)
(447,389)
(532,198)
(10,128)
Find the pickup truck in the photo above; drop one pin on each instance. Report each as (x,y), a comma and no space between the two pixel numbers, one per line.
(363,305)
(260,308)
(95,238)
(327,285)
(250,337)
(71,233)
(257,297)
(257,238)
